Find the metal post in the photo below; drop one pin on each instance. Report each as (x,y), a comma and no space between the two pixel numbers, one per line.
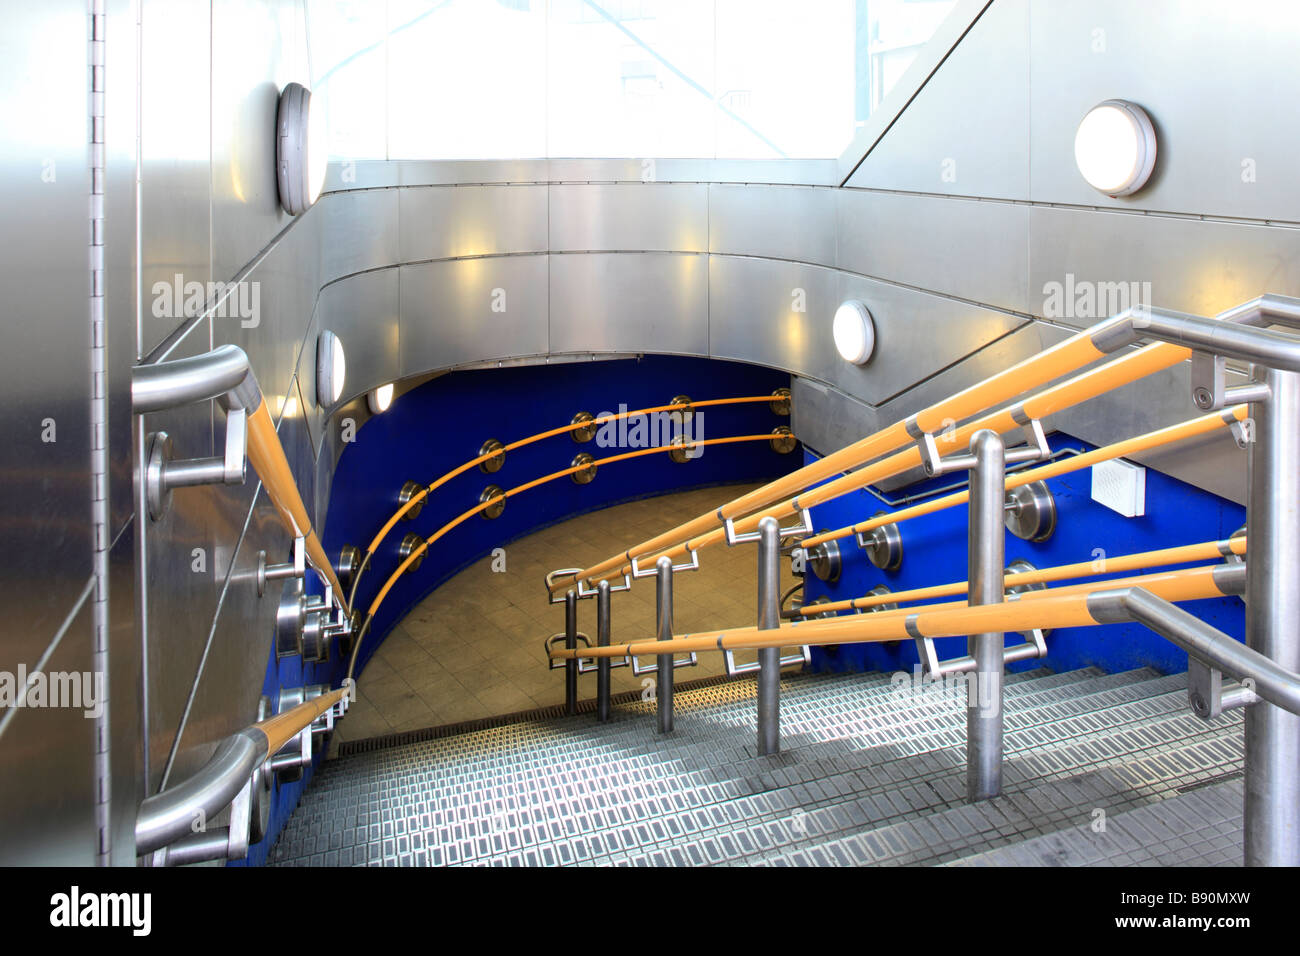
(1272,801)
(571,643)
(602,640)
(664,622)
(769,617)
(985,557)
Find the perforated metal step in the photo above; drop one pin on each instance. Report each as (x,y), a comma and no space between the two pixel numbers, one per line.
(871,771)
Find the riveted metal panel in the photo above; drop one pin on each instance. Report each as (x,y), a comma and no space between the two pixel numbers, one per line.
(754,317)
(781,222)
(966,248)
(1222,148)
(630,302)
(652,217)
(445,222)
(466,310)
(358,230)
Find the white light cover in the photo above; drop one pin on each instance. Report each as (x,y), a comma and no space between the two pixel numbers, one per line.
(1115,147)
(855,335)
(331,369)
(301,151)
(380,398)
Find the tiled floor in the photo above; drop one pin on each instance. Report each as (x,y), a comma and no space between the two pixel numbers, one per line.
(474,648)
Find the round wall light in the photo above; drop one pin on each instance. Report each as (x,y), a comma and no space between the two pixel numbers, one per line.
(1115,147)
(380,398)
(331,369)
(855,334)
(301,153)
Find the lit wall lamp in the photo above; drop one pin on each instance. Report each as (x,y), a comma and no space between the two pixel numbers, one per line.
(301,153)
(331,369)
(380,398)
(1115,147)
(855,334)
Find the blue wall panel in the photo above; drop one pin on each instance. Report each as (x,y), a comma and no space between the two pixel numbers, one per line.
(934,552)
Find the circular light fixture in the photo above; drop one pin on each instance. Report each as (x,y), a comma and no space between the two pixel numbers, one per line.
(1115,147)
(855,335)
(380,398)
(301,152)
(331,368)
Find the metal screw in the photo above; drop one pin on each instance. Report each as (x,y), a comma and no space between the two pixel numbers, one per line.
(1201,395)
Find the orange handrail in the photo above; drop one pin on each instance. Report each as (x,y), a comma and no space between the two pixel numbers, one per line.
(1192,428)
(522,442)
(1073,353)
(519,489)
(267,456)
(1127,562)
(1052,608)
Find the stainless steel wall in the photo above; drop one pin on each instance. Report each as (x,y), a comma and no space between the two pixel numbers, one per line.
(951,229)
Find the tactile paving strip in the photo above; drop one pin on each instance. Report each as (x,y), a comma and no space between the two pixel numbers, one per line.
(871,771)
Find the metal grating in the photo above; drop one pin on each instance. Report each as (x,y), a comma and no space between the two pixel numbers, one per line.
(870,772)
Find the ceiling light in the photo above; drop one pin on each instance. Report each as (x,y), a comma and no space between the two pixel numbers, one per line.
(301,153)
(855,335)
(331,369)
(380,398)
(1115,147)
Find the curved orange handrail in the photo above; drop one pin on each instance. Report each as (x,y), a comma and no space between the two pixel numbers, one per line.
(519,489)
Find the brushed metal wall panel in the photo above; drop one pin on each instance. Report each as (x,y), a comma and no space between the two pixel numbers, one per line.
(125,713)
(652,217)
(754,314)
(444,222)
(175,166)
(261,46)
(1191,265)
(826,420)
(45,539)
(1216,79)
(46,754)
(447,315)
(966,248)
(358,231)
(635,302)
(965,132)
(781,222)
(227,689)
(751,319)
(362,311)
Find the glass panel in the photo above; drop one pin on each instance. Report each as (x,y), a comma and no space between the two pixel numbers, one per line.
(492,79)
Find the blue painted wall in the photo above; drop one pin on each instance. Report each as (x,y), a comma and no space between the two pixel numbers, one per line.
(441,424)
(934,552)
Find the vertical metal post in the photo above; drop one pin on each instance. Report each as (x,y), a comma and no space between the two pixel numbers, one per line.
(769,617)
(985,557)
(1272,802)
(571,643)
(664,622)
(602,640)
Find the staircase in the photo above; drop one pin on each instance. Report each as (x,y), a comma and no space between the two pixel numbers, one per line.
(1100,768)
